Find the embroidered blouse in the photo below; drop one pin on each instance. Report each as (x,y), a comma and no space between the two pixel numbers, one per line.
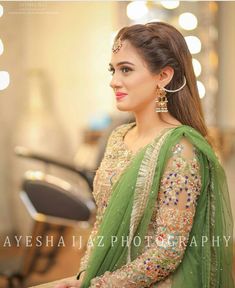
(171,220)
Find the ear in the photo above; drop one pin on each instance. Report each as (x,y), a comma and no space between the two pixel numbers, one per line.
(165,76)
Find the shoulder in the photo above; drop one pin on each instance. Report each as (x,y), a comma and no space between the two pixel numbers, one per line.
(182,165)
(114,139)
(189,131)
(184,157)
(187,140)
(184,147)
(119,131)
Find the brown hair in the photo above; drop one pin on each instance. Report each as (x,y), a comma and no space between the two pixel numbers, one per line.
(161,45)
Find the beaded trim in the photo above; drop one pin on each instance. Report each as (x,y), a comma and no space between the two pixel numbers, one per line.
(143,186)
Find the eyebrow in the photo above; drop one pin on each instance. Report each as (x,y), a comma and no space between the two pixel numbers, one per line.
(123,62)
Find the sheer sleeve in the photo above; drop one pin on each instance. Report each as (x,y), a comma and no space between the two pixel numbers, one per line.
(171,224)
(89,246)
(84,259)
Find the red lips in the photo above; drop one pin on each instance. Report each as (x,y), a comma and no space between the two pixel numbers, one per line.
(120,95)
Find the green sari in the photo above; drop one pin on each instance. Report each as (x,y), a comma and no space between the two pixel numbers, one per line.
(131,206)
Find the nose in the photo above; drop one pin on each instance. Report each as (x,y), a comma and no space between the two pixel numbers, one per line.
(115,83)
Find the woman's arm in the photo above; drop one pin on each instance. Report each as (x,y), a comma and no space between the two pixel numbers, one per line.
(84,260)
(173,214)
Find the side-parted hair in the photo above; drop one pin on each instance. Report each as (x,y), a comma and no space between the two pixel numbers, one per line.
(160,45)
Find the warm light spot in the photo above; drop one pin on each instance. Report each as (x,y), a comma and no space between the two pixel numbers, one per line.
(4,80)
(194,44)
(213,84)
(1,47)
(136,10)
(213,6)
(213,58)
(1,10)
(197,67)
(170,4)
(188,21)
(201,89)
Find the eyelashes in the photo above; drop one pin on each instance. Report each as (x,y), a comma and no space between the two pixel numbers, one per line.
(110,69)
(123,69)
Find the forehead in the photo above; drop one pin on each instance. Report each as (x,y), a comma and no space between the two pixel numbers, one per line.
(126,53)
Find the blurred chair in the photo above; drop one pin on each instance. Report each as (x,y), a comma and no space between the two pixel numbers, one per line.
(54,205)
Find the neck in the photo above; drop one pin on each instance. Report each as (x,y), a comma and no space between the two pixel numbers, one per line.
(148,121)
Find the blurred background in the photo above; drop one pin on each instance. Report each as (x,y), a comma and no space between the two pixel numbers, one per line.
(57,110)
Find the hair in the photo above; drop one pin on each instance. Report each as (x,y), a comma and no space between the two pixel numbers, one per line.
(161,45)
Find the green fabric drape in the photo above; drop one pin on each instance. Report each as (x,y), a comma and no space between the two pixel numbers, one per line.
(204,265)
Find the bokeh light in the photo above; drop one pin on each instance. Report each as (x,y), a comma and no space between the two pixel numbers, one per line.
(213,84)
(4,80)
(136,10)
(170,4)
(201,89)
(1,47)
(188,21)
(194,44)
(1,10)
(197,67)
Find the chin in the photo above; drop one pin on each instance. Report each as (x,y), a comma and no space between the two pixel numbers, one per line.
(123,107)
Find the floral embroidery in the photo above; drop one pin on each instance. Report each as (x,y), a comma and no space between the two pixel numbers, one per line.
(171,221)
(185,181)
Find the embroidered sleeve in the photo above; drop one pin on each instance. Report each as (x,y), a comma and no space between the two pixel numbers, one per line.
(108,151)
(84,259)
(170,225)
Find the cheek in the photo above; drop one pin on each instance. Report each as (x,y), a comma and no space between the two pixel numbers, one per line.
(141,89)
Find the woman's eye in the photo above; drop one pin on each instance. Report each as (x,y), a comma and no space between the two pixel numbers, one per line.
(123,69)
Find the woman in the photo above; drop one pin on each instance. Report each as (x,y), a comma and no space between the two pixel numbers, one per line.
(163,210)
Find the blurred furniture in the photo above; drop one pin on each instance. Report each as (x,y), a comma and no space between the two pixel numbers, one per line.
(54,205)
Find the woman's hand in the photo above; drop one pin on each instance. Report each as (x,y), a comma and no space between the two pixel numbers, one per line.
(69,284)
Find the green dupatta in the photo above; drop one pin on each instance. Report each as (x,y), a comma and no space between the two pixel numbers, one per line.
(131,206)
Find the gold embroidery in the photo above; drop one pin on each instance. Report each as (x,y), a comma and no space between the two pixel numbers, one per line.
(155,263)
(143,186)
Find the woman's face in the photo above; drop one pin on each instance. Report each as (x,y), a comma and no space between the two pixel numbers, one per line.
(133,78)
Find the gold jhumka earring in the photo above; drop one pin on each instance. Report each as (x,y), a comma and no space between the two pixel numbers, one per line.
(162,99)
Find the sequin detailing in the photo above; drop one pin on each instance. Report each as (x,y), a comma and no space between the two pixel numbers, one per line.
(184,180)
(171,221)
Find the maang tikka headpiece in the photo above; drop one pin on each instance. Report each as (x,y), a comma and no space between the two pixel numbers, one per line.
(117,45)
